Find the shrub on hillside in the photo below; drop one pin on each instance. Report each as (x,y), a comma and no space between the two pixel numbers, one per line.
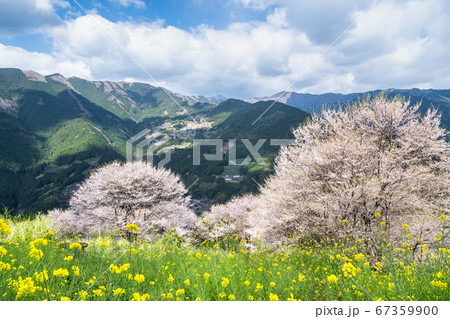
(369,168)
(117,195)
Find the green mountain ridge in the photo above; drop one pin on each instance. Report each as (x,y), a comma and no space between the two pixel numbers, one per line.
(55,130)
(313,103)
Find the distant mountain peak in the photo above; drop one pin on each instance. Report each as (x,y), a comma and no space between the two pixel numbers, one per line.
(34,76)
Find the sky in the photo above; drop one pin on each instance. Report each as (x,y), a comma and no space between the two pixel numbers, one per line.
(236,48)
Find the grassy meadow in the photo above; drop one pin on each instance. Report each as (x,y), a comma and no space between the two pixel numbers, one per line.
(36,264)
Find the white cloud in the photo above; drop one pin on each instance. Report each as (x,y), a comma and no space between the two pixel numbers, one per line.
(396,44)
(28,16)
(14,57)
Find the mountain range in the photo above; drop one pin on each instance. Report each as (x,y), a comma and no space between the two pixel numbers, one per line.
(313,103)
(55,130)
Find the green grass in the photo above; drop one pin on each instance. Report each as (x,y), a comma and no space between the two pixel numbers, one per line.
(223,270)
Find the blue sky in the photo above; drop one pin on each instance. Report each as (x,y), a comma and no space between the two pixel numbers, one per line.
(239,48)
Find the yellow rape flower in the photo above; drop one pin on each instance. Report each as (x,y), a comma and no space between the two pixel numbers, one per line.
(75,246)
(4,228)
(4,267)
(68,258)
(3,251)
(332,279)
(61,272)
(132,227)
(349,269)
(179,292)
(138,297)
(41,276)
(97,292)
(24,287)
(139,278)
(118,291)
(273,297)
(36,253)
(300,277)
(225,282)
(76,270)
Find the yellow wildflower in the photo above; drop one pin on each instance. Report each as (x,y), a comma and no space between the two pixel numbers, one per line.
(132,227)
(349,269)
(61,272)
(76,270)
(332,279)
(231,297)
(68,258)
(97,292)
(4,228)
(300,277)
(36,253)
(75,246)
(187,282)
(179,292)
(41,276)
(139,278)
(118,291)
(225,282)
(24,287)
(138,297)
(273,297)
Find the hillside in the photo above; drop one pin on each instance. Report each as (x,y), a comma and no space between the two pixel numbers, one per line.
(55,130)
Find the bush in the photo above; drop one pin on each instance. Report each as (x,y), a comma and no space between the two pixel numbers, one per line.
(366,170)
(117,195)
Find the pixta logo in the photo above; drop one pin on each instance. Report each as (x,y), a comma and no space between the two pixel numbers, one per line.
(142,147)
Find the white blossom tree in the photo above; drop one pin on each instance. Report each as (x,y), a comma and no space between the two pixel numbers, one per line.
(377,161)
(131,193)
(229,219)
